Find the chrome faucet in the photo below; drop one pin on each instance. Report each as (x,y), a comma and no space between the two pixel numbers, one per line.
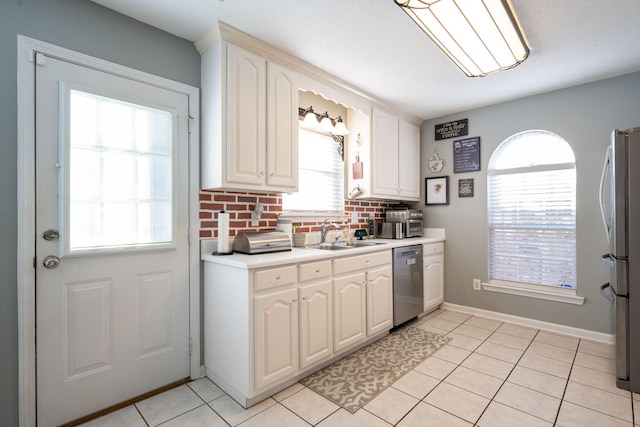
(324,229)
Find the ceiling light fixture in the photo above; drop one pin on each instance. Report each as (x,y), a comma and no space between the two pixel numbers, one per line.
(479,36)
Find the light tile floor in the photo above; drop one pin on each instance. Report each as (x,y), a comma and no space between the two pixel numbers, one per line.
(491,374)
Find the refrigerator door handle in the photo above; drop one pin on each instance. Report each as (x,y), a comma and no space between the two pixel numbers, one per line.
(608,260)
(608,295)
(605,172)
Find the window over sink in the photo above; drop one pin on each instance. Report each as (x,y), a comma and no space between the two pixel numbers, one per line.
(320,164)
(320,176)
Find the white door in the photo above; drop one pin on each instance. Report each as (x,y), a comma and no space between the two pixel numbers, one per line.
(112,303)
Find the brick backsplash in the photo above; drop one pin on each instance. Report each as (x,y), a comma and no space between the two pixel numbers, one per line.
(239,205)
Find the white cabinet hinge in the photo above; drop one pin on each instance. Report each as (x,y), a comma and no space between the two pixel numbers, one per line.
(190,346)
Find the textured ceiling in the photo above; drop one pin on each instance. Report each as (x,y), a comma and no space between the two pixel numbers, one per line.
(373,45)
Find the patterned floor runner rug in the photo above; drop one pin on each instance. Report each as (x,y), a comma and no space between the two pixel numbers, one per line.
(354,380)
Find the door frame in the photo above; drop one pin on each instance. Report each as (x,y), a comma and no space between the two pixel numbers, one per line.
(26,280)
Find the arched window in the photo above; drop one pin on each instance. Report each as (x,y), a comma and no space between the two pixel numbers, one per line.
(532,211)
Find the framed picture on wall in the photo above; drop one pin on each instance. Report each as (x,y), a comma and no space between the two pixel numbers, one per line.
(437,190)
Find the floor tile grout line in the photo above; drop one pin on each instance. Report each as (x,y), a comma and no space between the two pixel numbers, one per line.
(460,364)
(510,372)
(597,388)
(564,392)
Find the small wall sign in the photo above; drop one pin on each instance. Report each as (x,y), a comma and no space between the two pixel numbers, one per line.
(466,155)
(465,187)
(452,129)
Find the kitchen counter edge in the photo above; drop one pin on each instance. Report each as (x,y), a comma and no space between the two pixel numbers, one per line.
(298,255)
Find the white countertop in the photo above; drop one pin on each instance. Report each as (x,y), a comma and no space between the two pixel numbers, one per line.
(298,255)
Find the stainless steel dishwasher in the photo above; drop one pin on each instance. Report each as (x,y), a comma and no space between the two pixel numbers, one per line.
(408,293)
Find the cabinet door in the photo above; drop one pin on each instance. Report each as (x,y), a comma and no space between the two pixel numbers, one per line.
(409,161)
(282,128)
(433,281)
(316,323)
(276,336)
(385,155)
(349,309)
(379,300)
(246,117)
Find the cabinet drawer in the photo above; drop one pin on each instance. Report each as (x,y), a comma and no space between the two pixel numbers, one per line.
(345,265)
(433,248)
(274,277)
(315,270)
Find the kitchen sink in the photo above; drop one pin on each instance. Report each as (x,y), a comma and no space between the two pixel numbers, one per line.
(342,245)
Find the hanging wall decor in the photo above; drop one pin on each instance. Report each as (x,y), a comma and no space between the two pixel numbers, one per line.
(436,164)
(466,155)
(465,187)
(437,190)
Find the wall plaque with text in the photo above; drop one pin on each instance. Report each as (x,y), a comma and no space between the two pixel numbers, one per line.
(466,155)
(452,129)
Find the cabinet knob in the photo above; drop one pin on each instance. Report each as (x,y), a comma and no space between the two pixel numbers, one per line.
(278,277)
(261,174)
(271,174)
(317,270)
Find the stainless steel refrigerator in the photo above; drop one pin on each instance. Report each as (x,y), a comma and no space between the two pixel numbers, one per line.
(620,207)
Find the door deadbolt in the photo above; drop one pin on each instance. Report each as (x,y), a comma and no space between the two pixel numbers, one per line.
(50,234)
(51,261)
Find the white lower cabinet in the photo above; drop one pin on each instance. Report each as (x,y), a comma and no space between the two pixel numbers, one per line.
(265,328)
(316,312)
(362,297)
(349,308)
(379,300)
(276,336)
(433,264)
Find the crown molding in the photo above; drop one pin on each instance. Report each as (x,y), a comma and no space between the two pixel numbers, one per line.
(323,81)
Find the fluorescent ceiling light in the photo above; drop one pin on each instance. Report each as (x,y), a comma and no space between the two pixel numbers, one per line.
(479,36)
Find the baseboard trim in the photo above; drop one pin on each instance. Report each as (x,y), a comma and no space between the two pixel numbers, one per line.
(532,323)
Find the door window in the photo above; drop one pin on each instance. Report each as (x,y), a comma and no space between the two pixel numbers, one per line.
(119,179)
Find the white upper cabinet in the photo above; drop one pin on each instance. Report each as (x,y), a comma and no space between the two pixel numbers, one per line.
(250,138)
(250,123)
(408,161)
(385,155)
(395,159)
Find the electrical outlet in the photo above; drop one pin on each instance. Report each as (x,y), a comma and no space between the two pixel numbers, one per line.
(477,285)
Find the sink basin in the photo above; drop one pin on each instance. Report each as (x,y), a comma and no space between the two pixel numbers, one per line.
(328,246)
(343,245)
(360,244)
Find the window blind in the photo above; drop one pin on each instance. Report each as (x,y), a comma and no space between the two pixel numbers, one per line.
(120,173)
(320,175)
(532,222)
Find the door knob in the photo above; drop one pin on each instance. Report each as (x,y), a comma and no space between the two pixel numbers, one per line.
(51,261)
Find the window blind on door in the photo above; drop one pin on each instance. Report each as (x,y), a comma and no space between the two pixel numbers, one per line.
(120,168)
